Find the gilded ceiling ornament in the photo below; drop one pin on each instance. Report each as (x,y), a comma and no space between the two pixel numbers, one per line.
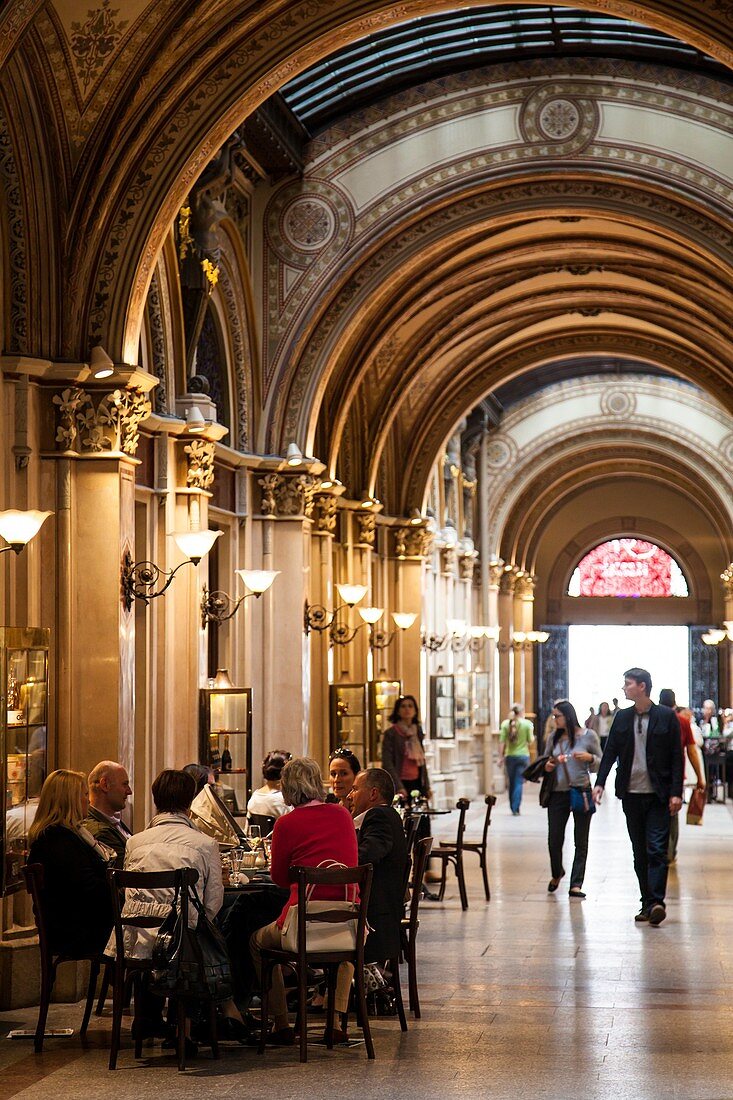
(211,271)
(200,472)
(185,240)
(94,42)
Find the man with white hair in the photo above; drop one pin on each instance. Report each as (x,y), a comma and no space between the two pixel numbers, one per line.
(109,789)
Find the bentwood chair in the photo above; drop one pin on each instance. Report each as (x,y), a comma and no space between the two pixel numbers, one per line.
(130,972)
(453,853)
(329,961)
(51,960)
(479,846)
(411,923)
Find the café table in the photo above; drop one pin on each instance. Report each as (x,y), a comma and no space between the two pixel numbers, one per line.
(247,907)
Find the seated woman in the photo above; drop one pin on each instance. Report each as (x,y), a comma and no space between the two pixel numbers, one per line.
(267,800)
(315,831)
(78,905)
(343,768)
(171,841)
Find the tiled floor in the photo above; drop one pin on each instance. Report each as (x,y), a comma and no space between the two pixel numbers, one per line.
(529,996)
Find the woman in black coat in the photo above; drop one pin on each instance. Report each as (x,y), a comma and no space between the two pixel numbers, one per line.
(76,897)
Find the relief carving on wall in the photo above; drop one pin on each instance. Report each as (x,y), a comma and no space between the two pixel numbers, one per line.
(325,511)
(413,542)
(366,523)
(109,424)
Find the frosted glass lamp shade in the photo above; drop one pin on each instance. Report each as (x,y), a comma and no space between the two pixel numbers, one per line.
(351,593)
(18,528)
(519,636)
(257,580)
(371,614)
(404,619)
(196,544)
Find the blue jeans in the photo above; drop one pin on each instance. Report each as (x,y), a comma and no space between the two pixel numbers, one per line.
(647,820)
(515,765)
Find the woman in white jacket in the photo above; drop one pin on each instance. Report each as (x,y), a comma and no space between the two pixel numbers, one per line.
(172,841)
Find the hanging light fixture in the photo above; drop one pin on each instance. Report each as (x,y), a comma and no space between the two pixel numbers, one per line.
(18,527)
(320,618)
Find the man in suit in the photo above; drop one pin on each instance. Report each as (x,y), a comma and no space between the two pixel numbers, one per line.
(381,839)
(109,789)
(645,741)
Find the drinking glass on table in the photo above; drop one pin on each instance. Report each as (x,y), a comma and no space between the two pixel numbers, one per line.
(267,845)
(255,835)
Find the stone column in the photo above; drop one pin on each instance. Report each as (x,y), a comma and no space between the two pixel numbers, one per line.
(321,591)
(524,620)
(412,547)
(506,653)
(727,664)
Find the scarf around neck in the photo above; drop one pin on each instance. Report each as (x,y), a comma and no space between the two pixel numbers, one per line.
(411,742)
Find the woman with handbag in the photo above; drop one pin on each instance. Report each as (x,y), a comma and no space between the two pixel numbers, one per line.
(315,833)
(574,752)
(172,841)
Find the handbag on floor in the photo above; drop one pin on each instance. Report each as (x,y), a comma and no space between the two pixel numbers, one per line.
(190,962)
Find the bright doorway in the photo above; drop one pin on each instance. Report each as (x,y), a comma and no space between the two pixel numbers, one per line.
(599,655)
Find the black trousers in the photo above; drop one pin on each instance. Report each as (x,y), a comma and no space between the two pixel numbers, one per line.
(647,820)
(558,813)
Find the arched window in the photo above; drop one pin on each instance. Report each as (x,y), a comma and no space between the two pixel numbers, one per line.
(628,568)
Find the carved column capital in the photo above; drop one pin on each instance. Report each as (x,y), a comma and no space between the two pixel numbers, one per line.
(508,580)
(90,422)
(415,541)
(448,556)
(496,572)
(325,511)
(524,586)
(200,464)
(366,525)
(467,565)
(727,578)
(287,496)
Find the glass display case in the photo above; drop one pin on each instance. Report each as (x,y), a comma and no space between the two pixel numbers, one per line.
(348,726)
(225,742)
(441,706)
(383,695)
(462,712)
(24,748)
(481,698)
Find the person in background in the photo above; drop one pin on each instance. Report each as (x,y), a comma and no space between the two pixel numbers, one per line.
(109,790)
(402,750)
(667,698)
(314,832)
(602,723)
(267,800)
(614,706)
(77,899)
(712,734)
(343,768)
(590,720)
(574,753)
(516,736)
(202,774)
(646,743)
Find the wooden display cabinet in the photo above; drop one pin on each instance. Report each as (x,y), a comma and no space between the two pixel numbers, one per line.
(225,742)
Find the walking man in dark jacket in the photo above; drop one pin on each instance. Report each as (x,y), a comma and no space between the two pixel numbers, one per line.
(645,742)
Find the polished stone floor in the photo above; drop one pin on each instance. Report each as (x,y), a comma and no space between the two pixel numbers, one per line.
(531,996)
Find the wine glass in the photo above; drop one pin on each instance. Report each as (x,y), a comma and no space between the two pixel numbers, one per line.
(255,836)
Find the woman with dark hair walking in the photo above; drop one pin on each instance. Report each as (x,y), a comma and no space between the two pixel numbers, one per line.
(574,751)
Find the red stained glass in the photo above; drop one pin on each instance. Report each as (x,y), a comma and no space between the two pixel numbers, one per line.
(627,567)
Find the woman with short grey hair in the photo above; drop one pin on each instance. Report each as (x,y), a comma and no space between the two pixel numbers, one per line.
(315,832)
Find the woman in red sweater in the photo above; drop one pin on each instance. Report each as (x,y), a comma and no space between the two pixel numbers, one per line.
(314,832)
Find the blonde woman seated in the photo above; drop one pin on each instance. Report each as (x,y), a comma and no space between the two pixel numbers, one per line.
(315,831)
(77,899)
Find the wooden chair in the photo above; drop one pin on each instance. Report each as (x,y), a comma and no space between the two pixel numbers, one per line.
(264,821)
(479,846)
(453,853)
(411,824)
(128,971)
(51,960)
(411,923)
(329,961)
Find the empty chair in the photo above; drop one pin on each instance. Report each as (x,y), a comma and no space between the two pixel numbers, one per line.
(453,853)
(479,846)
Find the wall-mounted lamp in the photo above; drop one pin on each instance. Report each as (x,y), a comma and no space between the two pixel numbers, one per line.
(18,528)
(140,578)
(524,640)
(195,422)
(317,617)
(294,455)
(217,607)
(369,502)
(100,363)
(416,517)
(714,636)
(459,637)
(380,639)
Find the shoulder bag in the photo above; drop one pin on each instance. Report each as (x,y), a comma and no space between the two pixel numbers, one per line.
(322,935)
(190,962)
(581,800)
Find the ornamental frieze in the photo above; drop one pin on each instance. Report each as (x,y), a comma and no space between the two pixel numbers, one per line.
(93,423)
(200,464)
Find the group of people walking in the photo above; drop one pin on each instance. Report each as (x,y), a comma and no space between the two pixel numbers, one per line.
(645,741)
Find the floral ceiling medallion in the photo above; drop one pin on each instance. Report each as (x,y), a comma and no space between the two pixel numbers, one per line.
(94,42)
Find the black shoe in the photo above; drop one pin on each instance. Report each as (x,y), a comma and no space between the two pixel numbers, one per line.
(575,892)
(553,884)
(231,1030)
(657,913)
(642,915)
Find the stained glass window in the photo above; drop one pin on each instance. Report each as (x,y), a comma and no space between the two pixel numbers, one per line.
(628,568)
